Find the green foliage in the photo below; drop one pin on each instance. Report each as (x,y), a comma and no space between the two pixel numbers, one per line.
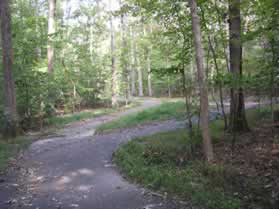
(160,162)
(163,112)
(77,82)
(9,149)
(164,162)
(60,121)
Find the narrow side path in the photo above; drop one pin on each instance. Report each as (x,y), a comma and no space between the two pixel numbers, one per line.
(73,169)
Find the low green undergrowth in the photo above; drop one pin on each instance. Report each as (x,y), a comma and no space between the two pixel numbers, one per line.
(167,162)
(165,111)
(163,162)
(61,121)
(10,148)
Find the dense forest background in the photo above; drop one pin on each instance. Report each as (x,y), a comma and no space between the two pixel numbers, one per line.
(197,81)
(69,55)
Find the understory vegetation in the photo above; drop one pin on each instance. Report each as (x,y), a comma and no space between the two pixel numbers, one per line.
(60,121)
(69,60)
(167,110)
(9,150)
(239,178)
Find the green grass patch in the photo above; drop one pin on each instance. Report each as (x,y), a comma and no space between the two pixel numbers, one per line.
(165,162)
(10,148)
(61,121)
(163,112)
(160,163)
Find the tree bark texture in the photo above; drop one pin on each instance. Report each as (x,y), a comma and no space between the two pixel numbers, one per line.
(113,65)
(207,144)
(10,110)
(237,122)
(149,76)
(133,63)
(139,70)
(124,61)
(51,33)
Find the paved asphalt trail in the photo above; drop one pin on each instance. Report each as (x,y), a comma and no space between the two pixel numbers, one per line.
(73,169)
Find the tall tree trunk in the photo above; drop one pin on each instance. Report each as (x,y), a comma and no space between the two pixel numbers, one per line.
(274,52)
(187,97)
(91,38)
(126,70)
(149,73)
(223,37)
(133,63)
(272,75)
(51,32)
(149,78)
(38,48)
(10,112)
(113,66)
(139,70)
(237,122)
(207,144)
(220,86)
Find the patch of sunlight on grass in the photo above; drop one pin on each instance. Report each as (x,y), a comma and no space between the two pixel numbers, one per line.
(61,121)
(163,112)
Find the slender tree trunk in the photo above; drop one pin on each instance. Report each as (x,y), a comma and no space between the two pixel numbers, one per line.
(224,38)
(91,38)
(124,59)
(51,32)
(220,86)
(75,96)
(237,122)
(139,70)
(187,94)
(149,76)
(130,76)
(168,78)
(169,87)
(207,144)
(274,52)
(272,89)
(113,66)
(10,112)
(187,97)
(37,49)
(133,63)
(128,90)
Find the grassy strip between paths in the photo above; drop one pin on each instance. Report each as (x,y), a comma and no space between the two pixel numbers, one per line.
(165,111)
(160,162)
(61,121)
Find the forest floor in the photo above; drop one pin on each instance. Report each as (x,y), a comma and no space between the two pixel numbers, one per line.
(73,169)
(242,176)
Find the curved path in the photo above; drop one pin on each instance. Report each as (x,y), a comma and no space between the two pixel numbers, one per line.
(73,169)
